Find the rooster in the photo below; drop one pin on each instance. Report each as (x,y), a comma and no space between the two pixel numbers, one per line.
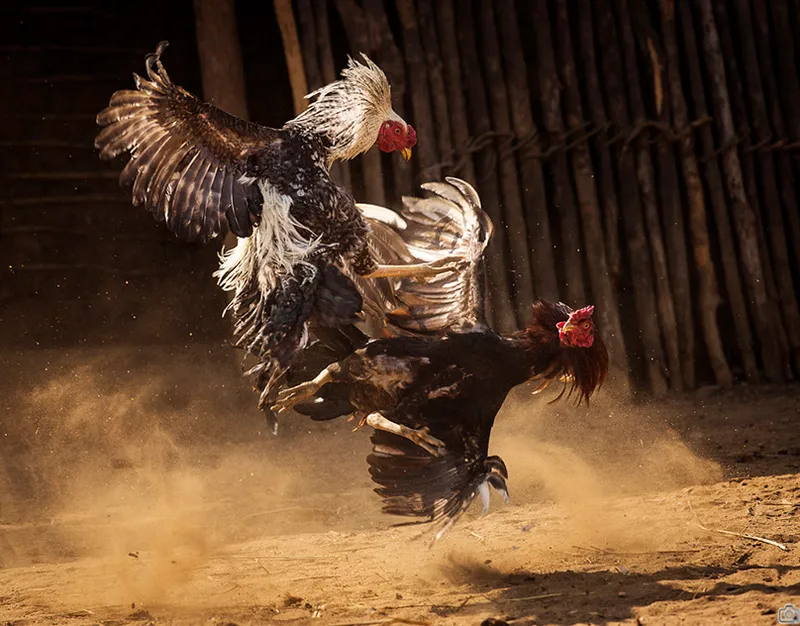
(431,390)
(205,172)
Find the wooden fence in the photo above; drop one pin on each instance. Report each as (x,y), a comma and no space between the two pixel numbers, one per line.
(640,156)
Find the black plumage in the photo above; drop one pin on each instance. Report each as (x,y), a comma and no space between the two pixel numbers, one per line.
(433,388)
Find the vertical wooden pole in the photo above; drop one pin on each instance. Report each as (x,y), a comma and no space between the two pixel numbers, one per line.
(392,62)
(709,293)
(515,229)
(291,50)
(730,268)
(480,125)
(534,197)
(583,173)
(744,217)
(426,150)
(220,56)
(341,170)
(446,21)
(652,218)
(357,29)
(563,197)
(641,269)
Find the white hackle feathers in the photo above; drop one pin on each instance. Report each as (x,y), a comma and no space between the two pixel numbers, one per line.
(349,111)
(277,246)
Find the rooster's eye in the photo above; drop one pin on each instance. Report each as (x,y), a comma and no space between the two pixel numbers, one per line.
(396,131)
(587,325)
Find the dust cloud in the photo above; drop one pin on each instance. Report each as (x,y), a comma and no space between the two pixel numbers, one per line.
(583,459)
(155,461)
(149,461)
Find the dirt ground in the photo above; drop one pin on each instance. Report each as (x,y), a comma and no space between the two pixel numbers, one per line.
(141,487)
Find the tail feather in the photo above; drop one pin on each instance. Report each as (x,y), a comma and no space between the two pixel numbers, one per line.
(414,483)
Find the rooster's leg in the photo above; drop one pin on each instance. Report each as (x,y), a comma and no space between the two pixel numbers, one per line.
(417,270)
(420,436)
(287,398)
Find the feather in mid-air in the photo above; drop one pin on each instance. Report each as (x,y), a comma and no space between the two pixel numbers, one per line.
(205,172)
(432,387)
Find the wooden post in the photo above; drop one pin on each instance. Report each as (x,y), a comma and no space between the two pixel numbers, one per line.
(515,229)
(502,304)
(709,294)
(744,217)
(597,113)
(641,269)
(781,262)
(730,268)
(427,152)
(563,197)
(357,29)
(741,119)
(308,44)
(446,21)
(534,197)
(291,50)
(340,170)
(438,90)
(220,56)
(790,90)
(583,173)
(644,171)
(392,62)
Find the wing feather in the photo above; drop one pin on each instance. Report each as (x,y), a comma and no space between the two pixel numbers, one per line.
(179,148)
(446,222)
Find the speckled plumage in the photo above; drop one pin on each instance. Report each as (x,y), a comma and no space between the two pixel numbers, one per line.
(205,172)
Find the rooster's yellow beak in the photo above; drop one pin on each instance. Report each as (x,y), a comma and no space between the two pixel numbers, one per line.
(406,152)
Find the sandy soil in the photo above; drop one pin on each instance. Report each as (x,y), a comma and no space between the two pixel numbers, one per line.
(141,487)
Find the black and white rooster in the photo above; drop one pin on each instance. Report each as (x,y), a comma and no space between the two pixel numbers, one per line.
(205,172)
(431,389)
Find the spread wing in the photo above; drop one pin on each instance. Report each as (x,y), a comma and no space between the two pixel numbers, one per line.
(186,156)
(447,222)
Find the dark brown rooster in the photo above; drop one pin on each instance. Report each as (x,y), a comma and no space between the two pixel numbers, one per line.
(431,390)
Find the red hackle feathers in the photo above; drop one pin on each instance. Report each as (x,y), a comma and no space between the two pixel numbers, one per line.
(583,369)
